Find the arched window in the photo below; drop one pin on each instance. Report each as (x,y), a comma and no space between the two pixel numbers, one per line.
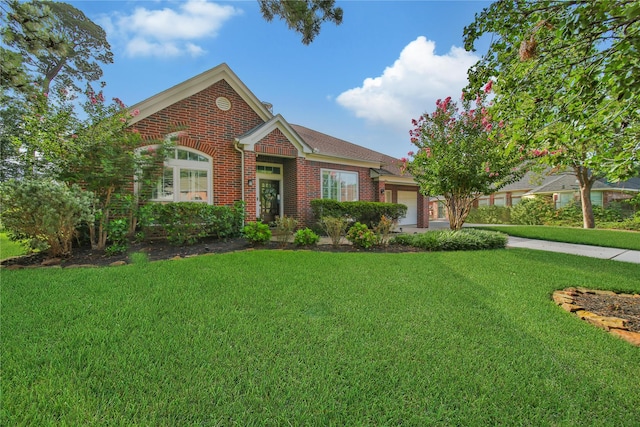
(186,177)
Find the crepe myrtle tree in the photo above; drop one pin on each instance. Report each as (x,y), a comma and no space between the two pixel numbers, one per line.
(460,155)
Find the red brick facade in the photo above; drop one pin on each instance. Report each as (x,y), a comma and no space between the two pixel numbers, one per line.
(219,133)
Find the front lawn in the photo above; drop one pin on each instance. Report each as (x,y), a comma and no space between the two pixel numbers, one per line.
(313,338)
(595,237)
(9,248)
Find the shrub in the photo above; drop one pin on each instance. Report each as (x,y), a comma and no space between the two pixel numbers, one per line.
(256,232)
(361,237)
(533,211)
(369,213)
(335,228)
(285,227)
(118,231)
(187,222)
(44,211)
(569,215)
(459,240)
(489,215)
(306,237)
(383,229)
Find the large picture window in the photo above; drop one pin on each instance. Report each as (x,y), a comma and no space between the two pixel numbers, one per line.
(186,178)
(339,185)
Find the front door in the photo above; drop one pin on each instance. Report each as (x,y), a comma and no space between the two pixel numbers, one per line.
(269,200)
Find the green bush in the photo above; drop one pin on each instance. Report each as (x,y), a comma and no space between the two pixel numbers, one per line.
(533,211)
(187,222)
(44,212)
(489,215)
(256,232)
(306,237)
(369,213)
(118,231)
(360,236)
(449,240)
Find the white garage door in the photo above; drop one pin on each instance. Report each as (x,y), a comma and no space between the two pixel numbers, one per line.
(409,198)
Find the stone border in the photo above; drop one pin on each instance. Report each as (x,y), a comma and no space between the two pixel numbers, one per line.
(616,326)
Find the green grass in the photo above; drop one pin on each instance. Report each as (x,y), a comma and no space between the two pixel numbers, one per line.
(608,238)
(10,248)
(312,338)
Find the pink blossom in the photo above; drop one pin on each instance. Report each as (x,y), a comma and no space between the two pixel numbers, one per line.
(488,87)
(46,95)
(74,136)
(135,112)
(428,151)
(93,100)
(410,153)
(123,120)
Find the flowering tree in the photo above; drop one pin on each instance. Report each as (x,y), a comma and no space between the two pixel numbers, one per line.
(460,155)
(103,159)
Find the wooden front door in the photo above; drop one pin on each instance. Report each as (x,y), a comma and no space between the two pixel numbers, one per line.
(269,200)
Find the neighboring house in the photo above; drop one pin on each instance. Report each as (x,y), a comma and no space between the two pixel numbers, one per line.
(230,147)
(561,187)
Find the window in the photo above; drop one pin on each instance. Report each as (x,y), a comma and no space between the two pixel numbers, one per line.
(186,178)
(499,200)
(483,201)
(339,185)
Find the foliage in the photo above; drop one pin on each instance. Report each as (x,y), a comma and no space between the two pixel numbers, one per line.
(465,239)
(186,222)
(335,227)
(55,40)
(361,237)
(11,114)
(369,213)
(490,215)
(460,155)
(533,211)
(257,233)
(304,17)
(44,211)
(285,227)
(305,237)
(565,83)
(118,232)
(383,229)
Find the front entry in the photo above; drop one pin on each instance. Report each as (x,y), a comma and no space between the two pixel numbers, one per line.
(269,199)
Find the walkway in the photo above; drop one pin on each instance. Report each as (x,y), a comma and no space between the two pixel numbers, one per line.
(624,255)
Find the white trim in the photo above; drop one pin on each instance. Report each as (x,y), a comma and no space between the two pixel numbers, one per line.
(197,84)
(250,139)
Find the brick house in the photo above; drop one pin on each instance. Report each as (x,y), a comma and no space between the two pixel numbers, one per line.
(230,147)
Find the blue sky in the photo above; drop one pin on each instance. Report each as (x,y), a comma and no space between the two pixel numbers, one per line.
(362,81)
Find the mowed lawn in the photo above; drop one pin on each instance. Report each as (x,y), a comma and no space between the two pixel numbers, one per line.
(596,237)
(311,338)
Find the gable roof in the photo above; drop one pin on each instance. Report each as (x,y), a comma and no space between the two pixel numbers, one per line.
(251,138)
(327,145)
(197,84)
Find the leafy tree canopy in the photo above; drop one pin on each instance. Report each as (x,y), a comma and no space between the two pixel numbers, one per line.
(461,155)
(303,16)
(560,84)
(52,39)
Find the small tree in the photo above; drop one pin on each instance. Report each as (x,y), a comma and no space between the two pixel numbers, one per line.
(461,155)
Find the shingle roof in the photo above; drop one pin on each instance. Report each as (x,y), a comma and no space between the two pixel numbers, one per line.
(328,145)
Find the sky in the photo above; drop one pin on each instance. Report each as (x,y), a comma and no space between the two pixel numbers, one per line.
(362,81)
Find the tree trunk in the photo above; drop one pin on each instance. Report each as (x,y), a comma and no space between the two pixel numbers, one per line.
(586,183)
(458,207)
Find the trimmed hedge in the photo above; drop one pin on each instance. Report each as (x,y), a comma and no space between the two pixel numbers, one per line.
(449,240)
(369,213)
(187,222)
(489,215)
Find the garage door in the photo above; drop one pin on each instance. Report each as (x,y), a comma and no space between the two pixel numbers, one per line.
(410,199)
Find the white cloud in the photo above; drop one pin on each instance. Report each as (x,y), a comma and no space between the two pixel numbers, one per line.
(169,32)
(410,86)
